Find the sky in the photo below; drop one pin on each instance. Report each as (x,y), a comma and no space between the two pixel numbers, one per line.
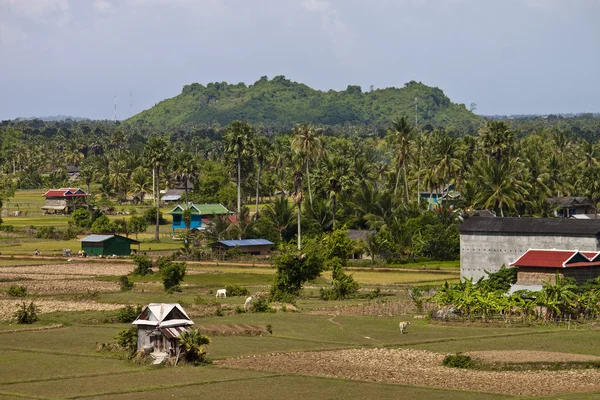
(71,57)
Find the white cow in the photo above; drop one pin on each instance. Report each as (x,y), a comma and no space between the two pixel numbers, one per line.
(403,325)
(247,303)
(221,293)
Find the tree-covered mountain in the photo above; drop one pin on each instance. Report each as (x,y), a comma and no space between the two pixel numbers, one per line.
(281,103)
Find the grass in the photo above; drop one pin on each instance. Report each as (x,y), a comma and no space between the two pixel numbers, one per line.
(63,363)
(399,277)
(8,262)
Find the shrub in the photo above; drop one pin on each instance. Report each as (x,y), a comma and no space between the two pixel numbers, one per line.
(162,262)
(342,286)
(26,314)
(219,312)
(82,218)
(375,293)
(150,217)
(235,290)
(103,225)
(128,339)
(125,284)
(192,344)
(260,305)
(128,314)
(6,228)
(173,273)
(201,301)
(50,232)
(458,360)
(144,265)
(270,328)
(17,291)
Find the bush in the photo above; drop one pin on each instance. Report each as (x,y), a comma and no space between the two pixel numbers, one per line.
(144,265)
(128,339)
(103,225)
(192,343)
(128,314)
(201,301)
(17,291)
(235,290)
(125,284)
(82,218)
(6,228)
(150,217)
(458,360)
(261,305)
(50,232)
(26,314)
(162,262)
(173,273)
(342,286)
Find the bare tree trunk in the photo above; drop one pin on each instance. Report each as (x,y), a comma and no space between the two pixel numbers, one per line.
(257,189)
(299,227)
(406,183)
(309,191)
(334,209)
(186,189)
(239,182)
(157,230)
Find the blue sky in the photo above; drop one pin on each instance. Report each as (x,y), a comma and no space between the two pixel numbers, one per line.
(507,56)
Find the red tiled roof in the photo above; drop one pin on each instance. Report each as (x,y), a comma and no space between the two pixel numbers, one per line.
(583,264)
(590,254)
(544,258)
(65,192)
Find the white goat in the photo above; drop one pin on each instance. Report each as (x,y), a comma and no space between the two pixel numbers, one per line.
(221,293)
(247,303)
(403,325)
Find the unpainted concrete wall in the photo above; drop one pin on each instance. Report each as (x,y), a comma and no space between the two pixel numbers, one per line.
(487,252)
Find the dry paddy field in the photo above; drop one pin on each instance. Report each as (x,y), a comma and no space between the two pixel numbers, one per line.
(422,368)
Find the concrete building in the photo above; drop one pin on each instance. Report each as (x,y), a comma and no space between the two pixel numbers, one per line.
(488,243)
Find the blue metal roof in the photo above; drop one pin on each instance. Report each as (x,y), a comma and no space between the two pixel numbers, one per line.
(246,242)
(97,238)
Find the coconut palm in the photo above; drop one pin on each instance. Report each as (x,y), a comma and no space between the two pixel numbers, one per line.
(499,185)
(280,214)
(400,134)
(238,141)
(306,142)
(185,168)
(298,198)
(157,154)
(140,184)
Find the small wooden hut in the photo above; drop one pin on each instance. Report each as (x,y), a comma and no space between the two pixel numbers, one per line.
(159,326)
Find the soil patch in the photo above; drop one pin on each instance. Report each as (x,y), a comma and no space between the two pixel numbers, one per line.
(419,368)
(233,330)
(527,356)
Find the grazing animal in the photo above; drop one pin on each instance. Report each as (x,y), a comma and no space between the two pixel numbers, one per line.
(403,325)
(221,293)
(247,303)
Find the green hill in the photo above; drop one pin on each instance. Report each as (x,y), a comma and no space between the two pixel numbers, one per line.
(281,103)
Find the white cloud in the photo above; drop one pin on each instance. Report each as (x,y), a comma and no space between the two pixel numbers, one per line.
(103,6)
(339,33)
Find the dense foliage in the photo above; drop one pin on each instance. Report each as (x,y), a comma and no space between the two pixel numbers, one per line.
(281,104)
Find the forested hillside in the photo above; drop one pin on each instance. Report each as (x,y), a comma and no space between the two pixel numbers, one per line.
(281,104)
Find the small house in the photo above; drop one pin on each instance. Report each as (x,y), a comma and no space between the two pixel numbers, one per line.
(202,215)
(107,245)
(159,326)
(360,238)
(256,247)
(173,195)
(64,200)
(570,206)
(444,195)
(538,266)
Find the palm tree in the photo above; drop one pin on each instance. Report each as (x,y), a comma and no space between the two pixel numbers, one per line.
(238,139)
(400,133)
(500,186)
(262,150)
(306,142)
(298,198)
(141,183)
(185,168)
(157,153)
(191,343)
(280,214)
(337,170)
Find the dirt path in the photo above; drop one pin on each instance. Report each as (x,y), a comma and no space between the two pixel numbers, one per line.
(419,368)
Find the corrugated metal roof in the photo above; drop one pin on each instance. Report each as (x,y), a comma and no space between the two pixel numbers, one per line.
(174,332)
(157,314)
(202,209)
(246,242)
(171,197)
(97,238)
(543,226)
(545,258)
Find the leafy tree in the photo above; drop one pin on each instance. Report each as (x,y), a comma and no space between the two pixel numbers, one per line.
(103,224)
(294,268)
(172,274)
(137,224)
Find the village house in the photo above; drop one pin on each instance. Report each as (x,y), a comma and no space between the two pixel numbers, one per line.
(488,243)
(159,326)
(360,238)
(64,200)
(202,215)
(571,206)
(107,245)
(536,267)
(256,247)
